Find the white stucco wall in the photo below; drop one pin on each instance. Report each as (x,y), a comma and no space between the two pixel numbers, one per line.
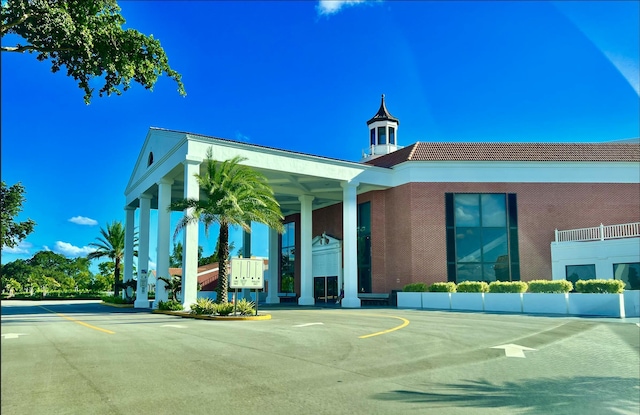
(603,254)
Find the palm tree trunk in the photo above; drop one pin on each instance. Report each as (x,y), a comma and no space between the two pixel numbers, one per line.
(116,278)
(223,257)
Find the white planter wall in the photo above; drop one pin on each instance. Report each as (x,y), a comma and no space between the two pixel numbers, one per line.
(589,304)
(543,303)
(409,300)
(467,301)
(632,303)
(503,302)
(436,301)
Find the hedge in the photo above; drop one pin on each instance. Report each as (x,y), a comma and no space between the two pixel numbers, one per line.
(600,286)
(550,286)
(442,287)
(472,287)
(416,287)
(508,287)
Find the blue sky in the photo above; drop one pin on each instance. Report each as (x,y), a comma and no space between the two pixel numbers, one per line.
(306,76)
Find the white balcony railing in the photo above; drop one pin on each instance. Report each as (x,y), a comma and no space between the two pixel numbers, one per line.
(599,233)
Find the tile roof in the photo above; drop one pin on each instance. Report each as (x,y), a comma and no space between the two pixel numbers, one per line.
(421,151)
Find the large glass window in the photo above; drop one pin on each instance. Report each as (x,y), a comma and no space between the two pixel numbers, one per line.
(392,135)
(480,233)
(382,135)
(364,247)
(288,258)
(629,273)
(580,272)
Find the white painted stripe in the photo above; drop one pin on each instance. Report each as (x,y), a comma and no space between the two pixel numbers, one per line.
(13,335)
(309,324)
(177,326)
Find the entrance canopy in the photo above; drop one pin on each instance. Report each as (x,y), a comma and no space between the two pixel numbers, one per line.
(290,174)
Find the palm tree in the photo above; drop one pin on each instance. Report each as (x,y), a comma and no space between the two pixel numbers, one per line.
(236,196)
(111,245)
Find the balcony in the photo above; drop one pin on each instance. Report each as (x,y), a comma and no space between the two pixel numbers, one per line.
(599,233)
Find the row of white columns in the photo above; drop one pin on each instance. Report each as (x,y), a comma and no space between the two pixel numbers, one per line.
(190,245)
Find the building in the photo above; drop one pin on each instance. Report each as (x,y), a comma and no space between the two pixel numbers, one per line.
(425,212)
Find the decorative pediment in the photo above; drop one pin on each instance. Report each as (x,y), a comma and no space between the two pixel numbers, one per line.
(325,241)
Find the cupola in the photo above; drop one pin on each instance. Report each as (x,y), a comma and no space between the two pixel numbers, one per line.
(383,133)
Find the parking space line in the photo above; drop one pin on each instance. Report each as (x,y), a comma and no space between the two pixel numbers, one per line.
(82,323)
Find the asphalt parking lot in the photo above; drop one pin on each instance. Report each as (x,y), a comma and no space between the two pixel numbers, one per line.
(87,358)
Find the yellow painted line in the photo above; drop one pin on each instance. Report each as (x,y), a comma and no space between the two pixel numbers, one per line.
(404,324)
(82,323)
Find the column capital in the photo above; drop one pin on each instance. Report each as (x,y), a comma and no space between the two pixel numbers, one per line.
(192,160)
(349,183)
(130,207)
(306,198)
(165,181)
(145,196)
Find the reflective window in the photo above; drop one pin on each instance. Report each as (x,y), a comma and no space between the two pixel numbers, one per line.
(629,273)
(364,247)
(373,136)
(479,226)
(392,135)
(288,258)
(580,272)
(382,135)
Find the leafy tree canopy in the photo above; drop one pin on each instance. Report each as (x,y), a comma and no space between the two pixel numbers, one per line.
(86,36)
(11,200)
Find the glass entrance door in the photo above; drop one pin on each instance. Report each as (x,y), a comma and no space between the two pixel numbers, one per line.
(325,290)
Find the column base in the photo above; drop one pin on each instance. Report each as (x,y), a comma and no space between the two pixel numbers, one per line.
(351,302)
(306,301)
(141,303)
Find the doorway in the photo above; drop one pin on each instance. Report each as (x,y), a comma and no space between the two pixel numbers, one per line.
(325,290)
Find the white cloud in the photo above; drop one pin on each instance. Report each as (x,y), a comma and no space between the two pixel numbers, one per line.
(69,250)
(329,7)
(242,137)
(83,220)
(22,248)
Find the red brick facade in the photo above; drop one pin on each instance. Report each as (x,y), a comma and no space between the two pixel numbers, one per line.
(408,224)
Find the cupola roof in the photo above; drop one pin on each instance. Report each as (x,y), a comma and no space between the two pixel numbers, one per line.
(383,114)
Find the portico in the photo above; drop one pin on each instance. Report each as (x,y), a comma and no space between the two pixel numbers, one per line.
(165,172)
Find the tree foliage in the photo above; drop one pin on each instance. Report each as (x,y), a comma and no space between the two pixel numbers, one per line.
(236,196)
(47,271)
(11,200)
(87,38)
(111,245)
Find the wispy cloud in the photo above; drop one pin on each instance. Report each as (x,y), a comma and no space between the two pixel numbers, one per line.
(69,250)
(242,137)
(329,7)
(83,220)
(22,248)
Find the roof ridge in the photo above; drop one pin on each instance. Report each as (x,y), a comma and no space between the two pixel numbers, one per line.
(413,150)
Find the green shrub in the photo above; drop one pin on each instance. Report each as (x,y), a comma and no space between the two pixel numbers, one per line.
(415,287)
(245,307)
(550,286)
(508,287)
(472,287)
(111,299)
(203,306)
(600,286)
(442,287)
(171,305)
(224,309)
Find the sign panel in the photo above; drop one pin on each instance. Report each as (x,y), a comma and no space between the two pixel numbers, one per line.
(247,273)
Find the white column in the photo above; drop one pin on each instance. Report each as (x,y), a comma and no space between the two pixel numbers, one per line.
(129,243)
(190,236)
(350,244)
(274,268)
(164,240)
(142,292)
(306,277)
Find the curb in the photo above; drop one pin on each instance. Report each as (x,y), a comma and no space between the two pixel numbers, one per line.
(117,305)
(218,318)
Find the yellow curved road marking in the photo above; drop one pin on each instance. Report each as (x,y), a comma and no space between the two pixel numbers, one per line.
(404,324)
(82,323)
